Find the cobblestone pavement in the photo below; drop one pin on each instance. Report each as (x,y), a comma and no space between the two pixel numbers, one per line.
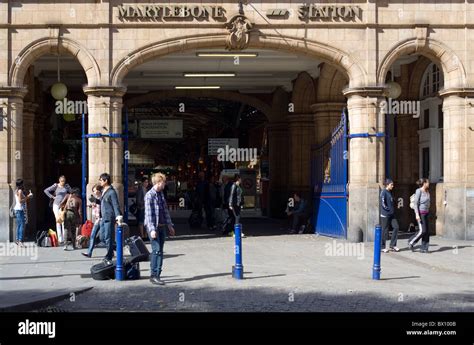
(282,273)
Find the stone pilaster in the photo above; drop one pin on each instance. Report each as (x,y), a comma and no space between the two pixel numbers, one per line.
(366,161)
(11,153)
(458,110)
(105,154)
(29,160)
(326,117)
(300,136)
(278,167)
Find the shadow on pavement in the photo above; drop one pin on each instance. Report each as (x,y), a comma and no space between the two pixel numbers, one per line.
(396,278)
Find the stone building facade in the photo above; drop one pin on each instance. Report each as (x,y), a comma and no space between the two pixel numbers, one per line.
(359,42)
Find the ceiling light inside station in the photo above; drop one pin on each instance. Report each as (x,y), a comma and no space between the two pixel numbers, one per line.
(202,87)
(208,75)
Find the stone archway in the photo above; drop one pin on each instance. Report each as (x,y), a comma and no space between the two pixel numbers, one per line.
(224,95)
(453,69)
(339,59)
(50,45)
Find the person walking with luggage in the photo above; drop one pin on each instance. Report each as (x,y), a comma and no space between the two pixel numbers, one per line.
(21,211)
(109,214)
(422,209)
(73,218)
(236,200)
(96,230)
(56,193)
(387,214)
(157,221)
(140,201)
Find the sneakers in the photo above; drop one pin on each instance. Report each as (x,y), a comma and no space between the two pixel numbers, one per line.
(395,249)
(157,281)
(411,247)
(385,250)
(85,254)
(242,234)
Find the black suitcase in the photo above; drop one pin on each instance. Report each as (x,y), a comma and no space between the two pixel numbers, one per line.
(101,271)
(195,219)
(138,249)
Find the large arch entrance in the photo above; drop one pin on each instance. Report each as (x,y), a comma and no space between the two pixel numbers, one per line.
(273,110)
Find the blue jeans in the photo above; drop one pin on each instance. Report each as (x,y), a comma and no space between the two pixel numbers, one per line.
(20,224)
(156,258)
(107,227)
(96,229)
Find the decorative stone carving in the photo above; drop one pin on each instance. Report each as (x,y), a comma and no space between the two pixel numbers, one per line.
(239,32)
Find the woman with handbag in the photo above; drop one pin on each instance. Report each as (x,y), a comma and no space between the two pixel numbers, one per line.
(73,207)
(21,214)
(56,193)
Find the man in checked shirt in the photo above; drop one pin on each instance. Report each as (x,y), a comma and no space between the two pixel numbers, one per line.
(157,220)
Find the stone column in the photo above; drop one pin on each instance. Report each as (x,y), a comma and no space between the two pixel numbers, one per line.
(300,137)
(105,154)
(29,168)
(458,110)
(326,117)
(366,161)
(278,167)
(11,154)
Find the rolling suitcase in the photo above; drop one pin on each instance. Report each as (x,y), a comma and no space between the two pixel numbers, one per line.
(138,248)
(195,219)
(101,271)
(132,269)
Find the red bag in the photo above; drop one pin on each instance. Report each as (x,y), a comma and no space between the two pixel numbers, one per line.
(86,229)
(54,238)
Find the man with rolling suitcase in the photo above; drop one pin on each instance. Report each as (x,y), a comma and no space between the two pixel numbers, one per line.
(109,214)
(157,221)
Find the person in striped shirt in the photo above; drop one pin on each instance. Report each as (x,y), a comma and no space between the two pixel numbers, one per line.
(157,221)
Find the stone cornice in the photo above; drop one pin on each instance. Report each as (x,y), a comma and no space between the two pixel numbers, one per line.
(365,91)
(105,91)
(327,106)
(299,118)
(457,91)
(9,91)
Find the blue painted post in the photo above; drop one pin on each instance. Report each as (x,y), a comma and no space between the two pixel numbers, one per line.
(84,167)
(377,250)
(238,269)
(119,270)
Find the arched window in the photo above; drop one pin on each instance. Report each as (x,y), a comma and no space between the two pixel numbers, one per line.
(432,81)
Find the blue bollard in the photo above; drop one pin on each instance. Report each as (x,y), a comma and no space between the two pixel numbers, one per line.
(377,250)
(238,269)
(119,270)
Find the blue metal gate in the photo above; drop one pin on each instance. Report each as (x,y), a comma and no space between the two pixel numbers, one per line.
(329,180)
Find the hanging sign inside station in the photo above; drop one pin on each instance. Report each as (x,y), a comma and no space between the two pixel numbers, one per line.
(214,144)
(161,129)
(170,12)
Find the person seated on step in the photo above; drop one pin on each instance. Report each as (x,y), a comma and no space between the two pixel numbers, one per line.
(296,211)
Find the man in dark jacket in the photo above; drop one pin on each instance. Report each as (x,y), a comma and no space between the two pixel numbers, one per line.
(109,213)
(387,214)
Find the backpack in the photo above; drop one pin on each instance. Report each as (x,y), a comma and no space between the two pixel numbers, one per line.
(40,236)
(82,241)
(86,229)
